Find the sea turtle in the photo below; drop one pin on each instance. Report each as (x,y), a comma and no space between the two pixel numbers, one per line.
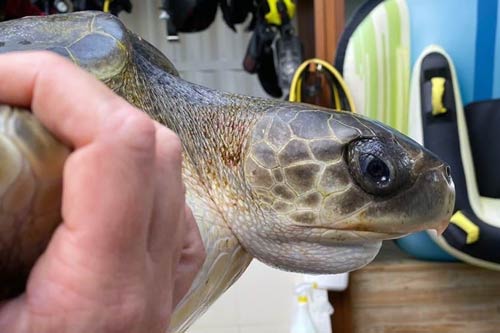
(296,186)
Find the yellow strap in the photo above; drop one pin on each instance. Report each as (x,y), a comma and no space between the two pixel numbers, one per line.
(472,230)
(437,84)
(273,16)
(296,81)
(105,7)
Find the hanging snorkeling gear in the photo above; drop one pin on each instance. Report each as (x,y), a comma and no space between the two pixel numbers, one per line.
(187,15)
(197,15)
(287,46)
(236,12)
(317,82)
(64,6)
(274,51)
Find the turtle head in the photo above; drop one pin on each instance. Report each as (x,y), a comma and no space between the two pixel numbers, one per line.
(333,185)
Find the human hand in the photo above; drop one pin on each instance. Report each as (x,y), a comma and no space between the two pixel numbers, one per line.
(128,247)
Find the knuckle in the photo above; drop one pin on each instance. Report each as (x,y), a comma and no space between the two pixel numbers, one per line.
(129,314)
(134,128)
(171,146)
(141,125)
(82,157)
(174,142)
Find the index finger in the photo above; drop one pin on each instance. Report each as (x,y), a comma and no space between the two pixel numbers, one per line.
(45,83)
(108,180)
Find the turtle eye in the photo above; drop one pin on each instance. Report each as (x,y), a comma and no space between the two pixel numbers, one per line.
(373,167)
(378,167)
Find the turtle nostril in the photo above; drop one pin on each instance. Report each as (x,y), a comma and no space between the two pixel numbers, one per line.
(447,172)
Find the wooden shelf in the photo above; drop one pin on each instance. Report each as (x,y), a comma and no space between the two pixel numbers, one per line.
(396,294)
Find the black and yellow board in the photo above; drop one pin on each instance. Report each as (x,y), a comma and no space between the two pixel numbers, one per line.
(436,78)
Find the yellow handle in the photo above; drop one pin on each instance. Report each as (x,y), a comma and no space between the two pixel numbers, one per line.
(472,230)
(105,7)
(296,82)
(437,84)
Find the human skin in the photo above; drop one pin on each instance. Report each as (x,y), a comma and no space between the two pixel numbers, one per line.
(128,247)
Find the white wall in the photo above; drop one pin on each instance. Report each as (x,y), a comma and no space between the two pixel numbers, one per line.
(212,57)
(261,301)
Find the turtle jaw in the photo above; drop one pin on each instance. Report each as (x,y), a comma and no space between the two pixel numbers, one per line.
(314,254)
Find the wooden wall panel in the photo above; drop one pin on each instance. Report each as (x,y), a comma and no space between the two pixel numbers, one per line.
(305,22)
(329,21)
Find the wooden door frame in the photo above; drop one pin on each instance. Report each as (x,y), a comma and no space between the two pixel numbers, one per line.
(329,21)
(325,20)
